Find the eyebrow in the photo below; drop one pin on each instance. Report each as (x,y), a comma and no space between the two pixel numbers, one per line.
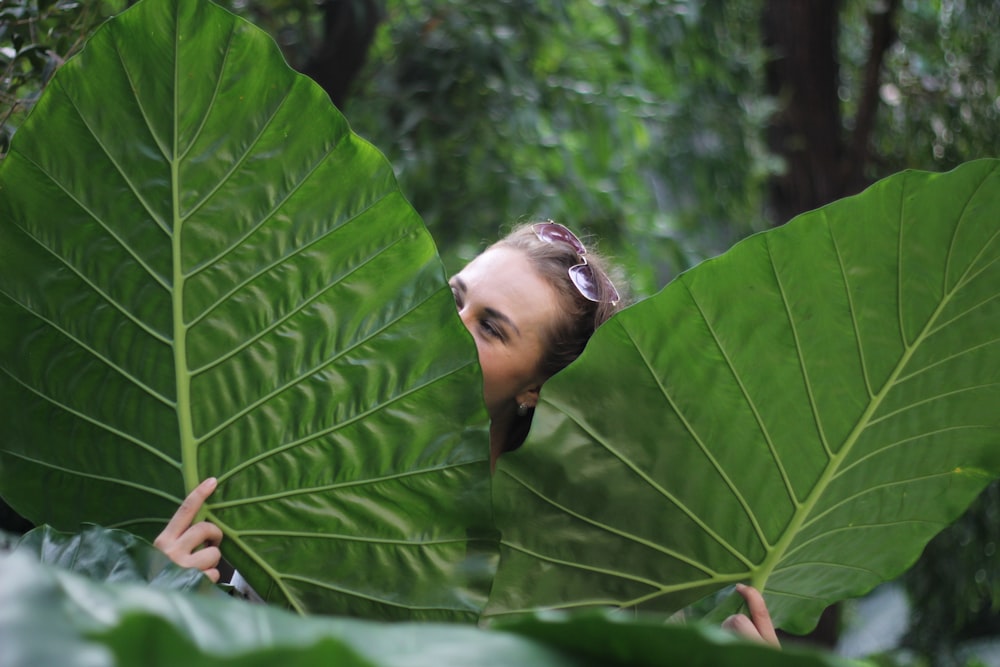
(491,312)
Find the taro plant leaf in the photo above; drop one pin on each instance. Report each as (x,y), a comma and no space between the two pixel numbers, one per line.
(803,412)
(107,554)
(614,638)
(49,616)
(203,272)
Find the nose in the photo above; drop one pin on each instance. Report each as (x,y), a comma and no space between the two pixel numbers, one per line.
(465,314)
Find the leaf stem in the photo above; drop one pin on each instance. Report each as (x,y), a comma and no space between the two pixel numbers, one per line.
(188,443)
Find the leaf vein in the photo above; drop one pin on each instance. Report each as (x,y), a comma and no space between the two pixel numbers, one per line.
(336,486)
(945,360)
(900,443)
(760,423)
(852,310)
(353,538)
(100,478)
(121,171)
(958,225)
(582,566)
(215,94)
(798,351)
(92,285)
(140,261)
(611,529)
(236,164)
(873,489)
(363,596)
(336,427)
(91,420)
(844,529)
(302,306)
(931,399)
(305,374)
(102,358)
(653,483)
(267,216)
(821,563)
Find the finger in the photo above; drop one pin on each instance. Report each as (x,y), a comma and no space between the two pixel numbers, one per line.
(186,513)
(742,626)
(198,535)
(205,559)
(759,614)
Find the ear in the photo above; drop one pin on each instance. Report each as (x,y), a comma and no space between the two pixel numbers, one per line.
(529,396)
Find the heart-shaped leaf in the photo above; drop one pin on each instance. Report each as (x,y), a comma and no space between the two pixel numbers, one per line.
(804,412)
(204,272)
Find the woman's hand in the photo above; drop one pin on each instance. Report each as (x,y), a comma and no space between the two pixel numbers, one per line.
(758,626)
(197,545)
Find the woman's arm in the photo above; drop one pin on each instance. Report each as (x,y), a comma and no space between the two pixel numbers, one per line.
(197,545)
(758,625)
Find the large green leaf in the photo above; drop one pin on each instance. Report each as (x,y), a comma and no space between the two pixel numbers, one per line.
(52,617)
(803,412)
(106,554)
(204,272)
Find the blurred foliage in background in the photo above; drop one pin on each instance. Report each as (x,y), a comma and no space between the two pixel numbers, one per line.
(668,129)
(621,119)
(36,36)
(642,122)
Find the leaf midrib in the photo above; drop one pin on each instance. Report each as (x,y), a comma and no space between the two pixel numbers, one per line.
(185,420)
(761,574)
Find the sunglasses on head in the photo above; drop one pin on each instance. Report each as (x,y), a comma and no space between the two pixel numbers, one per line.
(582,274)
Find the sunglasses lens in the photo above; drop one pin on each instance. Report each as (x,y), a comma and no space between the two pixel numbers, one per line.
(583,277)
(553,232)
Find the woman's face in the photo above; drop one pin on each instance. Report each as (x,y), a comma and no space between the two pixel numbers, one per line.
(508,307)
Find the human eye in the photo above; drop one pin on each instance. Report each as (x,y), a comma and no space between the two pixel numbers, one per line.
(455,292)
(491,329)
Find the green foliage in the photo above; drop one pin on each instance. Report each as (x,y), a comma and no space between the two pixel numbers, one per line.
(615,118)
(774,412)
(963,555)
(641,122)
(943,93)
(53,617)
(109,555)
(179,302)
(36,37)
(939,92)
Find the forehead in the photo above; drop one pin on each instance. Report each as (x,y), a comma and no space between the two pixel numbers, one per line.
(504,278)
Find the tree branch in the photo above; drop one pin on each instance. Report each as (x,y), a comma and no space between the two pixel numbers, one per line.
(883,33)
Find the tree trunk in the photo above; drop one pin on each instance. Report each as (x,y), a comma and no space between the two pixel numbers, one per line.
(803,74)
(348,30)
